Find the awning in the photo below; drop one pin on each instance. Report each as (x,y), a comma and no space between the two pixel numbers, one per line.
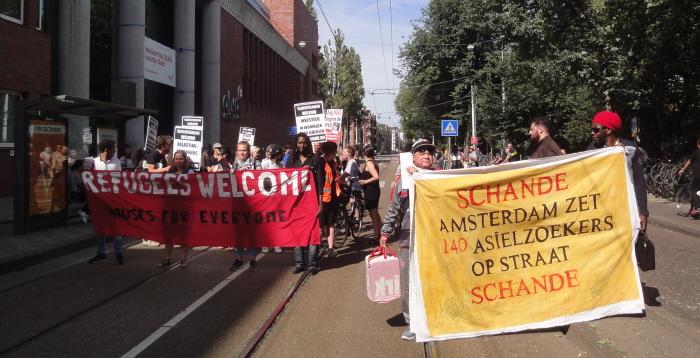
(85,107)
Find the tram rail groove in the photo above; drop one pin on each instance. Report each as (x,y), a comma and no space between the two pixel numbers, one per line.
(254,342)
(95,305)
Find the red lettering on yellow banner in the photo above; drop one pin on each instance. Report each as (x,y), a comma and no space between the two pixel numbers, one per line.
(526,286)
(502,192)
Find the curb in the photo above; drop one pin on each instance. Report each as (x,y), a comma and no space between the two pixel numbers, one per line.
(37,258)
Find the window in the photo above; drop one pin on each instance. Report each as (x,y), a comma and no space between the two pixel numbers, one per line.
(40,14)
(8,103)
(12,10)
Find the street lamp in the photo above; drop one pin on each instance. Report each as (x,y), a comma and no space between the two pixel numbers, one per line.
(470,48)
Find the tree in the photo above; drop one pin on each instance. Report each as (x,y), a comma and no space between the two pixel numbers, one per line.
(563,58)
(340,76)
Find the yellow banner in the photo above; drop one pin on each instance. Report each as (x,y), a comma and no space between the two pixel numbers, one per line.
(543,244)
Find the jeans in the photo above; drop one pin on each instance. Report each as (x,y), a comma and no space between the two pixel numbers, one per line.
(118,242)
(312,251)
(252,252)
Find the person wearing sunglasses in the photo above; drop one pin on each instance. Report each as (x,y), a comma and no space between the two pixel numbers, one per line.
(605,127)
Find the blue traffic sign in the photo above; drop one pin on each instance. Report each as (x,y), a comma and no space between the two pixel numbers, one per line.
(291,131)
(450,128)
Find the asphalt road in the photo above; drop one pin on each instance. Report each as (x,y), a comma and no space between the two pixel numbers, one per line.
(67,308)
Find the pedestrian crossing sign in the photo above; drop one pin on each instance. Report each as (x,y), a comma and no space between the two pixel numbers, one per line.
(450,128)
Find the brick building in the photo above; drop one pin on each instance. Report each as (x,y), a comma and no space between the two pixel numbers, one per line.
(235,62)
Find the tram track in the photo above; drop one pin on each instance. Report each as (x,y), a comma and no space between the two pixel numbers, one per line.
(95,305)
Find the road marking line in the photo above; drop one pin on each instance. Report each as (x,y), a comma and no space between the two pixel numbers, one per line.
(139,348)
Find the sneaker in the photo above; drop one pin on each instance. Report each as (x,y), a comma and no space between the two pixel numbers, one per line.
(278,249)
(98,258)
(265,250)
(120,259)
(254,266)
(313,270)
(408,335)
(694,214)
(83,215)
(236,265)
(298,269)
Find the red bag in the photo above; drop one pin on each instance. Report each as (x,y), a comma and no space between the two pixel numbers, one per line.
(383,269)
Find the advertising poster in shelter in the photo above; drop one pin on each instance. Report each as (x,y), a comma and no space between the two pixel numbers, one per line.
(311,119)
(47,166)
(528,245)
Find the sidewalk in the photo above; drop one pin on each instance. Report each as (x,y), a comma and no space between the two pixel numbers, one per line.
(18,252)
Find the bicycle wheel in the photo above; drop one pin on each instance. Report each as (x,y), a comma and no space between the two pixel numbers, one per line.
(341,223)
(682,195)
(355,220)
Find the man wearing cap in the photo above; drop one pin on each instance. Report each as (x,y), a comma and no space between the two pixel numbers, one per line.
(604,128)
(397,222)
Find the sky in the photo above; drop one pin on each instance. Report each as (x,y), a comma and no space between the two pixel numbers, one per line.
(359,21)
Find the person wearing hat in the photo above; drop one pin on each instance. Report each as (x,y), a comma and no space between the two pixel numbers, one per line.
(219,161)
(604,133)
(397,222)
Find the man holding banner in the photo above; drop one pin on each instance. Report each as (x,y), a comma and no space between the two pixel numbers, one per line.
(604,128)
(398,224)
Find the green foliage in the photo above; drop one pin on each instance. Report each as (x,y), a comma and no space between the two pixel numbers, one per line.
(340,76)
(564,58)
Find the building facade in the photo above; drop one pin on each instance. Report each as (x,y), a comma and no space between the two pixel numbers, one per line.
(237,63)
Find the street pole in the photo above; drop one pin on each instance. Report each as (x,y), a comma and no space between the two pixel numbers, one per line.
(473,89)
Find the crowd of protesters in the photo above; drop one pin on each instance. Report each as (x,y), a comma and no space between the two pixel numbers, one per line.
(335,176)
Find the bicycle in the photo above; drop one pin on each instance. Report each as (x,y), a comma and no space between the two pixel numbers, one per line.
(349,220)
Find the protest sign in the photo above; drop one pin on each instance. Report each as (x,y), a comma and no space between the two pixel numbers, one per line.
(533,244)
(311,119)
(334,119)
(189,139)
(193,121)
(151,134)
(245,209)
(246,134)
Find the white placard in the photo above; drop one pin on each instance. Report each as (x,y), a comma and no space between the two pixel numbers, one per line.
(159,63)
(311,119)
(193,121)
(107,134)
(87,136)
(189,139)
(151,134)
(246,134)
(334,119)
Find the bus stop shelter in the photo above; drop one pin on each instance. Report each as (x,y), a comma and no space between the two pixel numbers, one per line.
(52,134)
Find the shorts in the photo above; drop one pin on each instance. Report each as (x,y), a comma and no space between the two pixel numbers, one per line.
(328,214)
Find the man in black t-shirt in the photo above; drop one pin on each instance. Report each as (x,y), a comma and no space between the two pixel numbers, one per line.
(155,160)
(695,181)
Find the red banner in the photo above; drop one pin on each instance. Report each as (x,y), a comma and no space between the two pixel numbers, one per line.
(257,208)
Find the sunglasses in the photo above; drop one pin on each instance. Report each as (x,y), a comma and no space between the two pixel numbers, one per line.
(596,129)
(424,151)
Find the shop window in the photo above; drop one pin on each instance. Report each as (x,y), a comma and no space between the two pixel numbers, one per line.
(12,10)
(40,15)
(8,103)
